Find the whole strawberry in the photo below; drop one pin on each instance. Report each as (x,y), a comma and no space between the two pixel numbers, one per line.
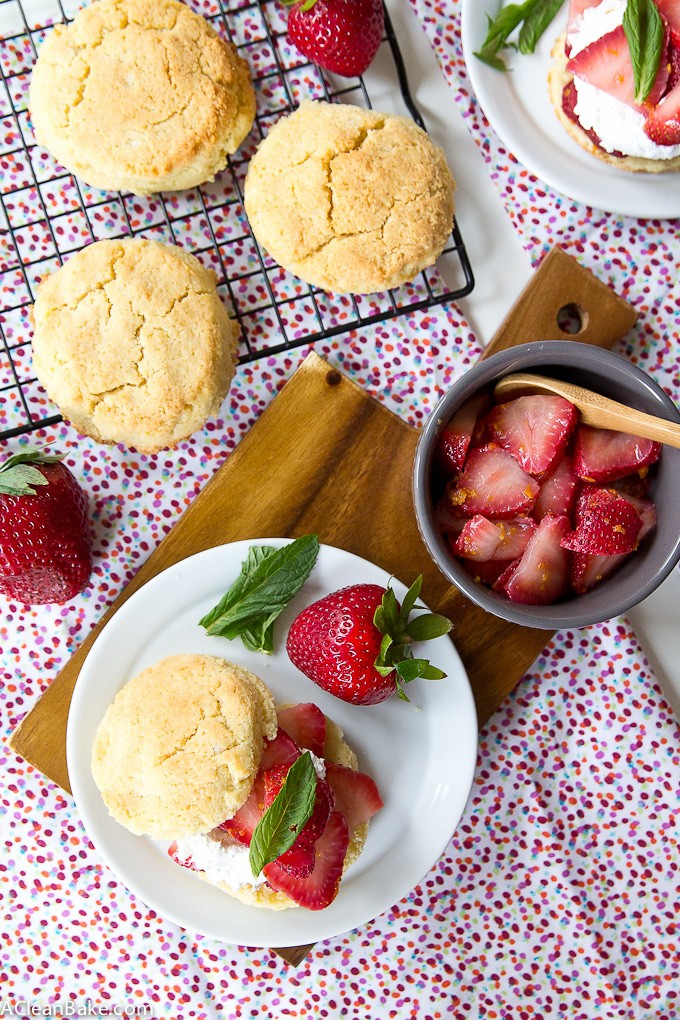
(45,540)
(341,36)
(356,643)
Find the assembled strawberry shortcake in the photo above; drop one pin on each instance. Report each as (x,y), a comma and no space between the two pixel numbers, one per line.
(615,82)
(266,803)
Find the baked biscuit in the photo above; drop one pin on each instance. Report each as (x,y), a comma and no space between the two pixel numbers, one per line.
(141,96)
(133,344)
(558,79)
(178,748)
(348,199)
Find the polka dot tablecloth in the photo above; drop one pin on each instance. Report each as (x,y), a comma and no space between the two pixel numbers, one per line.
(558,895)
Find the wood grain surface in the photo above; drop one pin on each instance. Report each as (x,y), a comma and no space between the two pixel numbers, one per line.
(327,458)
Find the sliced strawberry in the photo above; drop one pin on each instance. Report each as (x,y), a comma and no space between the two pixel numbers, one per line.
(540,576)
(483,540)
(356,795)
(588,569)
(242,825)
(488,573)
(603,456)
(448,520)
(662,125)
(306,724)
(282,750)
(317,890)
(493,484)
(454,439)
(558,491)
(670,10)
(187,862)
(534,429)
(631,485)
(576,9)
(606,523)
(299,860)
(606,63)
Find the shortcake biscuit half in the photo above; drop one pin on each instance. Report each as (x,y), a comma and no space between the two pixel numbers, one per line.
(350,200)
(133,343)
(141,96)
(179,747)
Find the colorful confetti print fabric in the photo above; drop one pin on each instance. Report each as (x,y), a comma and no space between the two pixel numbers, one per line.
(557,897)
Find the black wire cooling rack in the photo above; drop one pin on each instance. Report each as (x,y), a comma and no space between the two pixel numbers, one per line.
(47,214)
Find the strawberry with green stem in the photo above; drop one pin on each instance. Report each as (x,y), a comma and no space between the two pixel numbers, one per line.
(341,36)
(45,536)
(356,643)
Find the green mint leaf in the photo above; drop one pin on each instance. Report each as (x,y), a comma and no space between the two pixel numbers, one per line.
(499,29)
(428,626)
(268,580)
(281,823)
(644,30)
(536,22)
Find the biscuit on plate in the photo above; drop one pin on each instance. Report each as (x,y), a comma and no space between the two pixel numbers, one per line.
(178,748)
(133,343)
(140,96)
(350,200)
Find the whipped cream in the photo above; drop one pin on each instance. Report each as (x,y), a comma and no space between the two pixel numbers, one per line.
(221,858)
(224,859)
(618,126)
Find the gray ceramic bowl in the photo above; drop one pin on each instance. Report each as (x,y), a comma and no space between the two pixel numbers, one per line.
(607,373)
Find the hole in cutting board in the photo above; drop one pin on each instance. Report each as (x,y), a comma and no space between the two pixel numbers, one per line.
(572,319)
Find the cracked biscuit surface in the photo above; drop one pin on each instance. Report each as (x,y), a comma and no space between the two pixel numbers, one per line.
(350,200)
(133,343)
(178,748)
(141,96)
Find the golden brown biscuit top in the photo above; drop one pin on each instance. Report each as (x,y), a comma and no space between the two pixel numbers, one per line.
(345,196)
(142,84)
(132,340)
(178,749)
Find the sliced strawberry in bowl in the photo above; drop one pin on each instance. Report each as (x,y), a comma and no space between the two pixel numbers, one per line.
(588,569)
(558,491)
(493,484)
(534,429)
(483,540)
(541,575)
(455,437)
(601,455)
(606,523)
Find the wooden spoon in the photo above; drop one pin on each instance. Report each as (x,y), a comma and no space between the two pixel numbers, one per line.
(595,409)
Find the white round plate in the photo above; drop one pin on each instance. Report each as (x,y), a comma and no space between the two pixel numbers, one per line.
(422,755)
(518,107)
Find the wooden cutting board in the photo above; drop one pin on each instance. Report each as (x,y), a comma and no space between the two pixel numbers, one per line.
(327,458)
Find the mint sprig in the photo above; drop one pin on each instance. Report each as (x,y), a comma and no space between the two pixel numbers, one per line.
(269,579)
(644,31)
(283,820)
(533,16)
(18,474)
(399,632)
